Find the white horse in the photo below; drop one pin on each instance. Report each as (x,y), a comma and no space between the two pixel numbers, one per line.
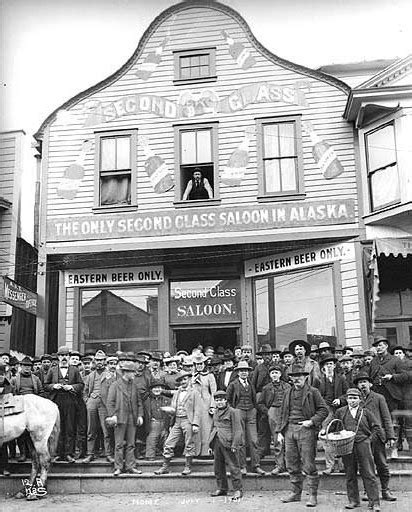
(41,418)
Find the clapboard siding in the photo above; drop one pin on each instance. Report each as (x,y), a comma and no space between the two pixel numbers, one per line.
(196,27)
(69,317)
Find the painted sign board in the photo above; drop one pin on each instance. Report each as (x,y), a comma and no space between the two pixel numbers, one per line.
(205,302)
(18,296)
(295,260)
(114,276)
(200,221)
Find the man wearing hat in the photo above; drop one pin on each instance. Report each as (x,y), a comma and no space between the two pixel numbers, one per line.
(45,367)
(332,388)
(158,421)
(242,396)
(227,373)
(259,378)
(65,386)
(376,404)
(87,365)
(172,371)
(142,379)
(325,348)
(226,440)
(360,420)
(26,383)
(81,411)
(388,375)
(125,413)
(301,415)
(186,403)
(155,368)
(301,350)
(268,405)
(96,408)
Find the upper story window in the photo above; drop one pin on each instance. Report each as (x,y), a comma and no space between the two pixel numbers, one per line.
(382,167)
(280,157)
(197,158)
(193,66)
(116,164)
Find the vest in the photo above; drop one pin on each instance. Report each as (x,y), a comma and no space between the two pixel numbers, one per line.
(296,412)
(245,398)
(329,396)
(198,192)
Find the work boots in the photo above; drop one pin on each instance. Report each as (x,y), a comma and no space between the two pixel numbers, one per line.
(295,494)
(387,495)
(188,466)
(313,484)
(164,469)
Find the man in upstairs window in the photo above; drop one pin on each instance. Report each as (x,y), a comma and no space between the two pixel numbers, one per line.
(198,187)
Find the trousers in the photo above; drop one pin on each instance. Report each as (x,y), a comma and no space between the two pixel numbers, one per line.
(300,452)
(225,457)
(361,457)
(96,416)
(248,421)
(156,435)
(182,428)
(67,408)
(381,463)
(124,434)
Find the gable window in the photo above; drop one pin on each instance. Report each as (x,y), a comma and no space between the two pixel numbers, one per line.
(280,157)
(195,65)
(116,164)
(197,158)
(382,167)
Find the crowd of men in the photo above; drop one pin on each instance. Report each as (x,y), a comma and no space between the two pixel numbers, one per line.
(126,407)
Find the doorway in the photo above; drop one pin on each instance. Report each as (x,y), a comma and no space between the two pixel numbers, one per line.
(188,339)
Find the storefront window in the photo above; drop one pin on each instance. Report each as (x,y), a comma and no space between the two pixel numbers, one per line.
(297,305)
(119,319)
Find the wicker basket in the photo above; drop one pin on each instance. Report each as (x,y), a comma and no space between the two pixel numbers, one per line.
(341,446)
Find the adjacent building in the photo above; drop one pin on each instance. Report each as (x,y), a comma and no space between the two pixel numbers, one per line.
(268,249)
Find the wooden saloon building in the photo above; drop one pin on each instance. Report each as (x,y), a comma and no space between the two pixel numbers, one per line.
(268,252)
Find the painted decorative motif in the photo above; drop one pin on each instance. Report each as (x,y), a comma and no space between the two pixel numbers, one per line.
(234,172)
(151,61)
(324,155)
(202,102)
(160,176)
(239,53)
(73,175)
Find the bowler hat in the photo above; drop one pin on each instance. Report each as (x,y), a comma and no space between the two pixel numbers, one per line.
(378,340)
(325,358)
(353,392)
(361,376)
(243,365)
(297,369)
(265,349)
(293,344)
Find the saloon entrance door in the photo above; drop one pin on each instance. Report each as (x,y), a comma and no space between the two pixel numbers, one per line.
(188,339)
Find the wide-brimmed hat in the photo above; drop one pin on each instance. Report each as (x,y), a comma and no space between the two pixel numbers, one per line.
(377,340)
(127,365)
(325,358)
(243,365)
(325,345)
(199,358)
(297,369)
(397,347)
(26,361)
(63,351)
(265,349)
(100,355)
(353,392)
(182,375)
(294,343)
(361,376)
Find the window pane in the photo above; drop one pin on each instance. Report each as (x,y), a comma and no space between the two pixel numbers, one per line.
(287,139)
(271,140)
(120,314)
(272,176)
(381,148)
(204,71)
(195,72)
(288,167)
(185,62)
(185,73)
(188,144)
(204,60)
(115,190)
(108,154)
(123,153)
(204,146)
(297,305)
(385,186)
(195,61)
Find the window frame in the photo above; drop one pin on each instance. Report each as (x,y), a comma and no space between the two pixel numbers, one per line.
(178,54)
(99,135)
(295,194)
(178,129)
(370,173)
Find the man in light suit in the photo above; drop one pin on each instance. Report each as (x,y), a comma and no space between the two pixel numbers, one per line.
(186,403)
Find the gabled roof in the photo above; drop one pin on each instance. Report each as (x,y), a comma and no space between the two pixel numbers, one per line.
(397,74)
(181,6)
